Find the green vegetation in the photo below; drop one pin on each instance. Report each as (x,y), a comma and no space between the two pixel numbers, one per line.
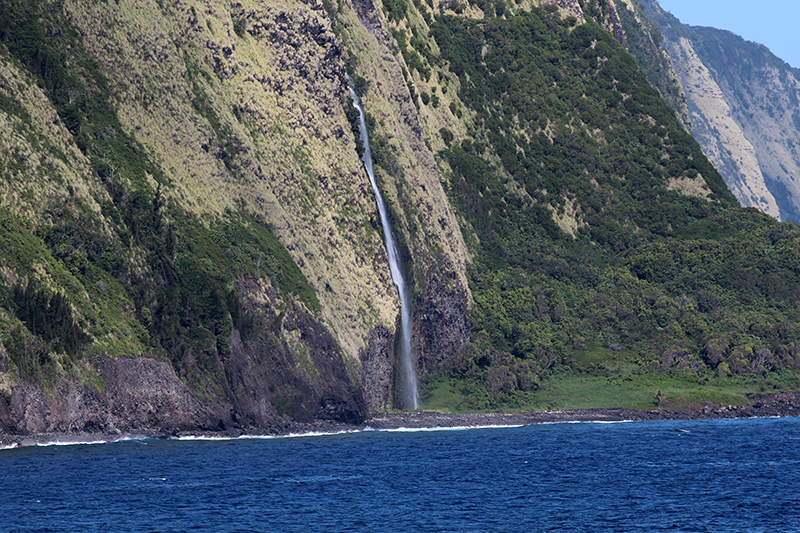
(49,316)
(647,290)
(144,274)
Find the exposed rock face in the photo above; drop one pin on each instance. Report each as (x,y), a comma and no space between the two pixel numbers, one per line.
(287,364)
(744,111)
(376,368)
(609,19)
(722,138)
(441,326)
(569,8)
(368,14)
(142,395)
(604,12)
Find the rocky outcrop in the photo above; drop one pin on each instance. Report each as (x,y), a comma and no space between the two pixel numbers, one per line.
(609,19)
(604,12)
(441,326)
(376,368)
(284,363)
(141,395)
(569,8)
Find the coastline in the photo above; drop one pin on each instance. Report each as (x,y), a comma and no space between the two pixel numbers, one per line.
(783,404)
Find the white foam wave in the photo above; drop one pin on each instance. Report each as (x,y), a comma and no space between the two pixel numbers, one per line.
(554,422)
(309,434)
(366,429)
(77,441)
(609,421)
(129,438)
(72,442)
(214,438)
(202,438)
(453,428)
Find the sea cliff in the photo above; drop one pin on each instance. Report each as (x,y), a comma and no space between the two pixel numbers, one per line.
(189,242)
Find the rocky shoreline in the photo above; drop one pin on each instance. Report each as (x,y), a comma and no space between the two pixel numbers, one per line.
(772,405)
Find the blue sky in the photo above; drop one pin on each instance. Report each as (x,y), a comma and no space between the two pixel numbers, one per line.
(774,23)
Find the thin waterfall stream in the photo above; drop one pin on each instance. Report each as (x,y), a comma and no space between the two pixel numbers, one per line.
(408,381)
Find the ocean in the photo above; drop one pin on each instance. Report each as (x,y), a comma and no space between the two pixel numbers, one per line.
(740,475)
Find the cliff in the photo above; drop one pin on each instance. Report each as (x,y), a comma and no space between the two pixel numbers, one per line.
(744,110)
(189,242)
(189,190)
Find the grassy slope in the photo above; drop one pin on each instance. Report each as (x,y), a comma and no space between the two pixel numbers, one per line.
(237,123)
(402,144)
(207,147)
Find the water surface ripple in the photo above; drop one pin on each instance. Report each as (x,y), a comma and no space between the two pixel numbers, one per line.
(710,475)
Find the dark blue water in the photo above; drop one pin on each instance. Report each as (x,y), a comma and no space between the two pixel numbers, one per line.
(727,475)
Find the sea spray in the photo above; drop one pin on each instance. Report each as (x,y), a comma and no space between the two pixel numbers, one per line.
(409,394)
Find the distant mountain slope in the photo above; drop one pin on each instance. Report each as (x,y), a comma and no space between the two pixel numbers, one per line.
(745,111)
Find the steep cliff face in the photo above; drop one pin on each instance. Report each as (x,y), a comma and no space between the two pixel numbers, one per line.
(404,133)
(744,108)
(188,239)
(187,187)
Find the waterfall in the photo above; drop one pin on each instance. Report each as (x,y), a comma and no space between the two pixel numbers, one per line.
(409,392)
